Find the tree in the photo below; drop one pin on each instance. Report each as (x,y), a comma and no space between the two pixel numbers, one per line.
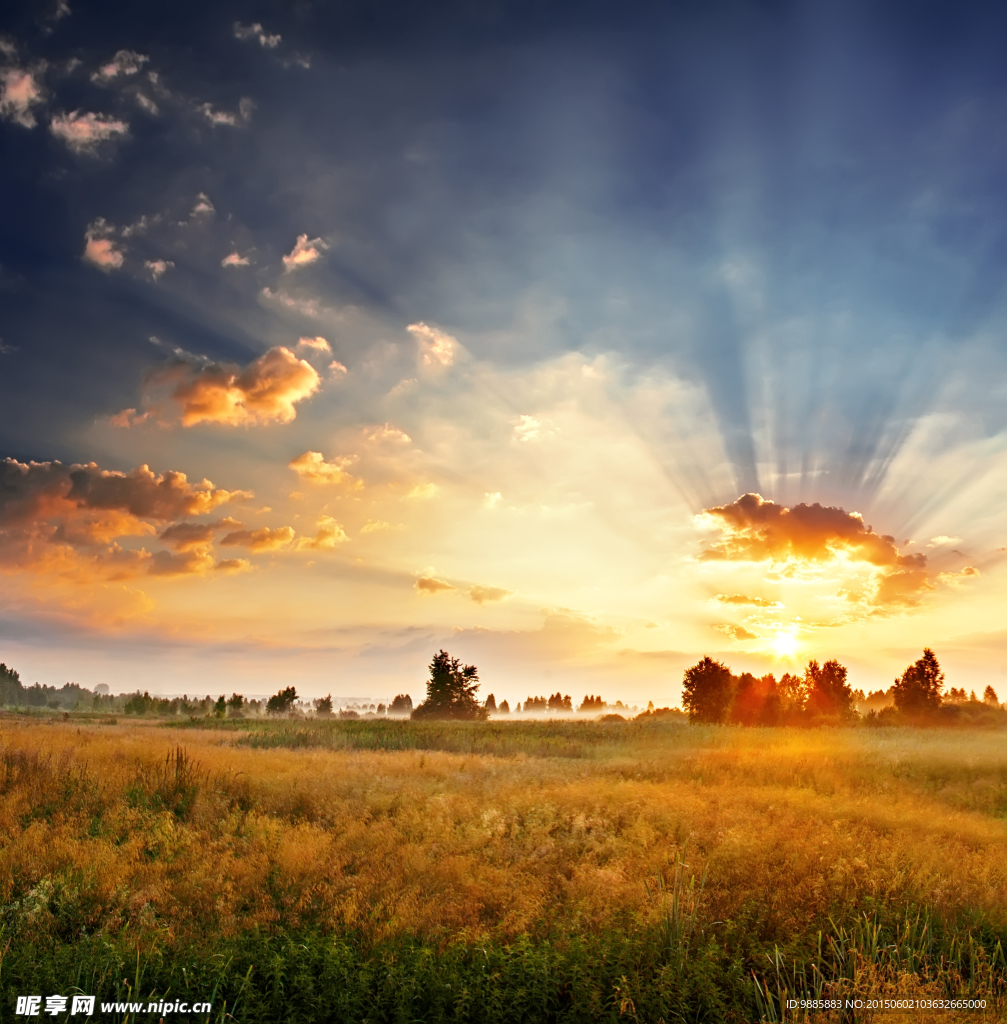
(451,690)
(829,696)
(490,704)
(918,690)
(236,705)
(504,708)
(323,706)
(707,689)
(281,703)
(220,708)
(401,705)
(990,697)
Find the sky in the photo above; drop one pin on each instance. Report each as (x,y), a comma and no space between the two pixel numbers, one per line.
(579,340)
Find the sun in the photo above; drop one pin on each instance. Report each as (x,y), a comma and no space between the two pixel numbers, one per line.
(785,644)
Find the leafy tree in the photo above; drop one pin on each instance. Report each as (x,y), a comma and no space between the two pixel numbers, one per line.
(323,706)
(557,702)
(401,705)
(236,705)
(536,704)
(755,700)
(990,697)
(281,703)
(490,704)
(707,689)
(918,690)
(451,690)
(220,708)
(829,696)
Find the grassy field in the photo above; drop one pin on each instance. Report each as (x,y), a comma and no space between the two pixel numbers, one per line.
(517,871)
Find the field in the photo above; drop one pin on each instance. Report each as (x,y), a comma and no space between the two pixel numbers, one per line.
(519,871)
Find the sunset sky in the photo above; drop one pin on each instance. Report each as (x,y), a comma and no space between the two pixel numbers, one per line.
(580,340)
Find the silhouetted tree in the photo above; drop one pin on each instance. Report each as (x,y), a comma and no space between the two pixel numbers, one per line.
(918,690)
(323,706)
(990,697)
(504,708)
(281,703)
(401,705)
(220,708)
(557,702)
(829,696)
(707,690)
(490,704)
(451,690)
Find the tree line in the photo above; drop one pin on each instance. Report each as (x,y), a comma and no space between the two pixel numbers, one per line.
(712,694)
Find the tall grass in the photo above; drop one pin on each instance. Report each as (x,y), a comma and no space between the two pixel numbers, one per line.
(564,871)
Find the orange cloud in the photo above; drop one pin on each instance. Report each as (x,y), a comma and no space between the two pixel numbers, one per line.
(312,466)
(83,132)
(19,91)
(429,585)
(481,594)
(743,599)
(330,535)
(303,253)
(265,391)
(319,344)
(99,248)
(436,347)
(263,539)
(189,536)
(756,530)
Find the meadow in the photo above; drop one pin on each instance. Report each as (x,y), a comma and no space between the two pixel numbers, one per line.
(506,871)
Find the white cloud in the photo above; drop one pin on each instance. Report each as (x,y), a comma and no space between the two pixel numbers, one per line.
(19,91)
(319,344)
(203,205)
(303,253)
(83,132)
(146,103)
(234,260)
(256,31)
(125,62)
(437,348)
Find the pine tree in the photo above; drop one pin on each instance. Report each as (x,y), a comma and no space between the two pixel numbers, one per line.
(451,690)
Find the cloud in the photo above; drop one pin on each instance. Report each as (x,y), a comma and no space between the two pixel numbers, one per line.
(203,206)
(387,433)
(263,539)
(66,519)
(375,526)
(99,248)
(6,350)
(303,253)
(422,492)
(265,391)
(318,344)
(756,530)
(233,565)
(936,542)
(330,535)
(125,62)
(158,267)
(83,132)
(481,594)
(234,260)
(436,348)
(736,632)
(189,563)
(189,536)
(256,31)
(146,103)
(19,92)
(224,117)
(430,585)
(743,599)
(312,466)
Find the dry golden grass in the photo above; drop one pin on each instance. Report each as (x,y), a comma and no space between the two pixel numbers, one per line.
(789,826)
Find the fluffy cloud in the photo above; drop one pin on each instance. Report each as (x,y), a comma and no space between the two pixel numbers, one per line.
(303,253)
(756,530)
(263,539)
(430,585)
(422,492)
(436,347)
(257,32)
(99,248)
(313,467)
(481,594)
(83,132)
(318,344)
(66,519)
(191,392)
(125,62)
(224,117)
(736,632)
(330,535)
(234,260)
(19,92)
(744,599)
